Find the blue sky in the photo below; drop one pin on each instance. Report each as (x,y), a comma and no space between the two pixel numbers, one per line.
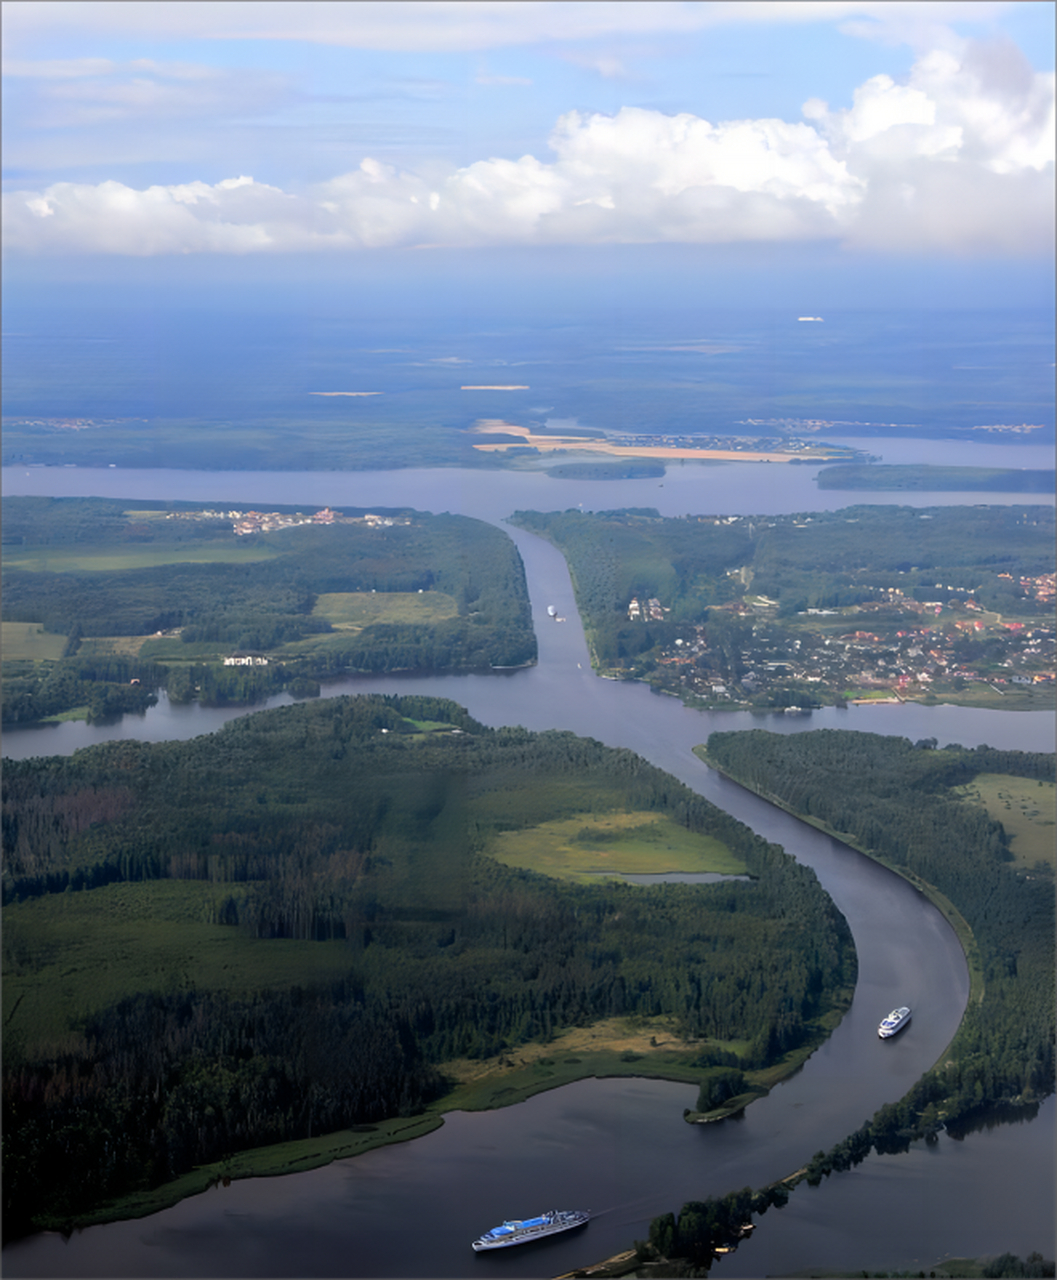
(832,135)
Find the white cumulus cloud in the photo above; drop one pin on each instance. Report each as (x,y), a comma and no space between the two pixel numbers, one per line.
(959,158)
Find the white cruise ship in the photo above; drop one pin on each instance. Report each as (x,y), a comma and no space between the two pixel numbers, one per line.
(895,1021)
(522,1230)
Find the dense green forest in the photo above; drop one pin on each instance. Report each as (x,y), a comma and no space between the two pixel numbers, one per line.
(228,600)
(307,924)
(822,560)
(933,479)
(897,801)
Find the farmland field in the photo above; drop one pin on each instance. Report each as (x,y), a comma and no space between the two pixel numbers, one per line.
(103,559)
(28,641)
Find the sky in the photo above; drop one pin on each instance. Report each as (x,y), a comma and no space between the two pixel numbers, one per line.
(860,140)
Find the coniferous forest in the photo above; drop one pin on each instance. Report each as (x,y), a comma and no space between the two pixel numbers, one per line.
(288,927)
(896,800)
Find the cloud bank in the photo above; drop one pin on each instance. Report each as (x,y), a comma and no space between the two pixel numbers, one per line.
(957,159)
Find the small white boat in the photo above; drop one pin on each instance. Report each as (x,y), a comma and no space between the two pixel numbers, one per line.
(895,1021)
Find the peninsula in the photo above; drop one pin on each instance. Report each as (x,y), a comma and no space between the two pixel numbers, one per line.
(665,447)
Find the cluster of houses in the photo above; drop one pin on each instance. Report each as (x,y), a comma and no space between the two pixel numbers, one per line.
(651,611)
(1041,588)
(900,665)
(247,522)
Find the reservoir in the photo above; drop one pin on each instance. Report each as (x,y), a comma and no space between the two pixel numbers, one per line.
(616,1147)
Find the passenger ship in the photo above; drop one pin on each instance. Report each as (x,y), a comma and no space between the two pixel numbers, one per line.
(895,1021)
(522,1230)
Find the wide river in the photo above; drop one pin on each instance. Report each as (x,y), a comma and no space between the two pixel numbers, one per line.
(616,1147)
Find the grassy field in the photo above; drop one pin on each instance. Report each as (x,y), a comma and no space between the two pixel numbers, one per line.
(1010,697)
(29,641)
(105,646)
(67,955)
(354,610)
(580,847)
(110,558)
(173,649)
(1025,807)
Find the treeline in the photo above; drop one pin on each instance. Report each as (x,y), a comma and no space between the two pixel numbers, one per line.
(894,798)
(614,556)
(825,560)
(70,522)
(269,601)
(104,685)
(311,823)
(262,605)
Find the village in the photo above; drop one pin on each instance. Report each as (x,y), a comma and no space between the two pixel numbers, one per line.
(745,655)
(244,523)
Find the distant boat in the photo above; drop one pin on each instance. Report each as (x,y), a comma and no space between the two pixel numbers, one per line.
(818,319)
(522,1230)
(895,1021)
(551,611)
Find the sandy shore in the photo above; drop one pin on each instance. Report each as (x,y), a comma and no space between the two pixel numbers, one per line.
(582,444)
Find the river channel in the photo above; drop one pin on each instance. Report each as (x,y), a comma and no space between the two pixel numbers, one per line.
(618,1148)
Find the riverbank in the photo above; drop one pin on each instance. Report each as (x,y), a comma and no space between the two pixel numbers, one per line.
(646,1049)
(962,930)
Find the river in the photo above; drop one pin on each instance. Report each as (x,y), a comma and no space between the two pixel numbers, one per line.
(619,1148)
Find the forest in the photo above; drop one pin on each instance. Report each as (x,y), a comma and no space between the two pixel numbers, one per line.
(898,801)
(827,559)
(288,927)
(219,594)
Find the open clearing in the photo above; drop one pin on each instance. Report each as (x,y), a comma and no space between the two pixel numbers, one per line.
(105,559)
(1026,807)
(67,955)
(581,847)
(107,646)
(354,610)
(29,640)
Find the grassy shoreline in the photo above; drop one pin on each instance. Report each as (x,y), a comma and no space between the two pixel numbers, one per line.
(607,1050)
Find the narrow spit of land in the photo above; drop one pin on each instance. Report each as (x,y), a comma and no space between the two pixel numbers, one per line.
(663,449)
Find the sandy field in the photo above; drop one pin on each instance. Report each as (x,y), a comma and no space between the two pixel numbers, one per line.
(581,444)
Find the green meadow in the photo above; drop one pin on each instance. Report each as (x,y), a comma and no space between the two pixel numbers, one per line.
(109,558)
(354,610)
(1026,807)
(29,642)
(581,847)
